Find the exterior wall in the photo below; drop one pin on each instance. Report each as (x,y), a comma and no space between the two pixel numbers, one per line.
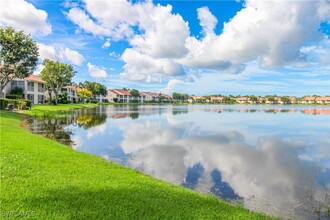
(101,98)
(242,100)
(72,94)
(34,92)
(121,98)
(111,95)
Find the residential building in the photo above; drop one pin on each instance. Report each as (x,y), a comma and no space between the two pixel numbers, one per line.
(308,100)
(292,100)
(125,96)
(120,94)
(323,100)
(278,100)
(216,99)
(261,100)
(71,90)
(151,96)
(166,98)
(242,100)
(101,98)
(33,88)
(197,99)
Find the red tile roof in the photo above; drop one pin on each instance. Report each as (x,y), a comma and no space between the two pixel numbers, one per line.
(309,98)
(326,98)
(242,99)
(73,87)
(121,91)
(35,78)
(167,96)
(197,97)
(216,98)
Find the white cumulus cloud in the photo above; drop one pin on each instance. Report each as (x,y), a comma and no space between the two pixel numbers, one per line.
(272,32)
(63,54)
(207,20)
(141,66)
(96,72)
(72,56)
(24,16)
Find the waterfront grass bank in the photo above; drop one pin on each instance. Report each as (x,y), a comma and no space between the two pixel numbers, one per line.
(45,110)
(43,179)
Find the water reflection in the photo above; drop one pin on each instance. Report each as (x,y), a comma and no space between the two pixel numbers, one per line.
(277,163)
(53,129)
(270,176)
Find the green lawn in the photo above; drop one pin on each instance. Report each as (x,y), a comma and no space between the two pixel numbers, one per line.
(43,179)
(41,110)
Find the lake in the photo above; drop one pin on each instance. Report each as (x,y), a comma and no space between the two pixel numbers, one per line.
(272,159)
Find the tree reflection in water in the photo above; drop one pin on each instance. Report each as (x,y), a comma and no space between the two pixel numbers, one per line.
(55,128)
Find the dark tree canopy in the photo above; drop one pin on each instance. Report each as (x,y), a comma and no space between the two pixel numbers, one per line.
(135,93)
(18,55)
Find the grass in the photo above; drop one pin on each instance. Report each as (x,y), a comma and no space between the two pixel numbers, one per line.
(42,179)
(46,110)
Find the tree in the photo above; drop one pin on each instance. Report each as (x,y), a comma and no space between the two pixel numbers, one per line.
(135,93)
(18,55)
(84,93)
(56,75)
(95,88)
(271,99)
(253,98)
(285,100)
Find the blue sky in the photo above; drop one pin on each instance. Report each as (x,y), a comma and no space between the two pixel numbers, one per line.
(196,47)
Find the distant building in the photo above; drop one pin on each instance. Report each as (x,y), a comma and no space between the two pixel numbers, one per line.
(278,100)
(261,100)
(120,95)
(216,99)
(323,100)
(308,100)
(197,99)
(242,100)
(292,100)
(72,93)
(151,96)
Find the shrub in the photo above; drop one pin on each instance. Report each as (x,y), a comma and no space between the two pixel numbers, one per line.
(4,103)
(28,103)
(63,98)
(14,96)
(17,91)
(93,101)
(18,103)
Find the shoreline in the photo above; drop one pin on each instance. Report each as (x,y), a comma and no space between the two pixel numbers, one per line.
(58,110)
(48,179)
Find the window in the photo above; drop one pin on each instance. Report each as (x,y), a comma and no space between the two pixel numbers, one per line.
(31,97)
(31,86)
(40,99)
(18,84)
(40,87)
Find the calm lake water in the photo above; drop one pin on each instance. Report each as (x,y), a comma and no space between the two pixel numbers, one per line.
(273,159)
